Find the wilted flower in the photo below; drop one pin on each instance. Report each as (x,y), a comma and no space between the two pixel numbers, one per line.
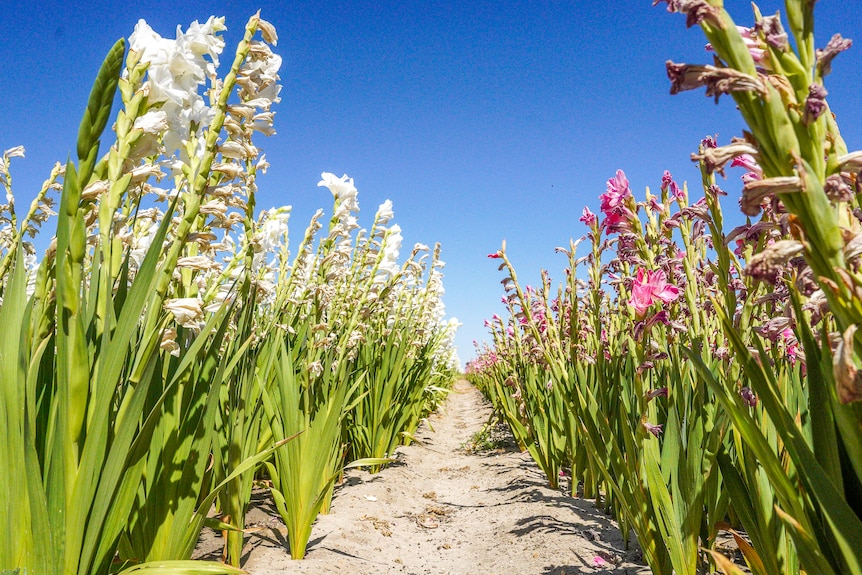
(772,261)
(815,103)
(716,80)
(714,159)
(695,11)
(835,46)
(169,342)
(748,396)
(755,191)
(656,430)
(773,32)
(186,310)
(847,378)
(837,188)
(653,393)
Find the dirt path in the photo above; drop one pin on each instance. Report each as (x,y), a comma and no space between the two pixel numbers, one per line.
(443,510)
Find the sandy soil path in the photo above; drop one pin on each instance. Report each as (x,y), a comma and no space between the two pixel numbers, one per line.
(442,509)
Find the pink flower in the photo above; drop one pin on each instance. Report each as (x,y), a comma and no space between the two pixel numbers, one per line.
(588,217)
(495,255)
(650,287)
(758,54)
(746,161)
(599,562)
(619,220)
(616,192)
(654,429)
(667,183)
(791,345)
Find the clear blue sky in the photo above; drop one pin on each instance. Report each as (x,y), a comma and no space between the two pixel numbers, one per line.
(481,121)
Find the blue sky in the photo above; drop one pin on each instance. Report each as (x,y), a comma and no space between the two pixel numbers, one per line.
(481,121)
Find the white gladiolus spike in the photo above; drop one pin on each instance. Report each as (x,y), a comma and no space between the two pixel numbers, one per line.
(177,69)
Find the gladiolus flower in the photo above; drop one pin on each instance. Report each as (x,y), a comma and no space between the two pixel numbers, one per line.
(757,53)
(342,188)
(695,11)
(748,396)
(656,430)
(650,287)
(835,46)
(848,379)
(187,311)
(653,393)
(176,69)
(588,217)
(616,193)
(815,104)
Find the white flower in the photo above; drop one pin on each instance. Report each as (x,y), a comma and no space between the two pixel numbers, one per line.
(389,257)
(342,188)
(274,229)
(141,240)
(153,122)
(259,76)
(32,266)
(177,69)
(385,213)
(169,342)
(186,310)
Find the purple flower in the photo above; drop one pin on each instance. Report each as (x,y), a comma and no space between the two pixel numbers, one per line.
(774,32)
(667,183)
(748,396)
(695,11)
(653,393)
(815,104)
(835,46)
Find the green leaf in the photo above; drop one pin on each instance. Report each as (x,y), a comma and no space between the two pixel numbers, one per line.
(181,568)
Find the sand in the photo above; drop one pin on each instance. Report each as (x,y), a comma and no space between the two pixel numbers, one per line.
(446,507)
